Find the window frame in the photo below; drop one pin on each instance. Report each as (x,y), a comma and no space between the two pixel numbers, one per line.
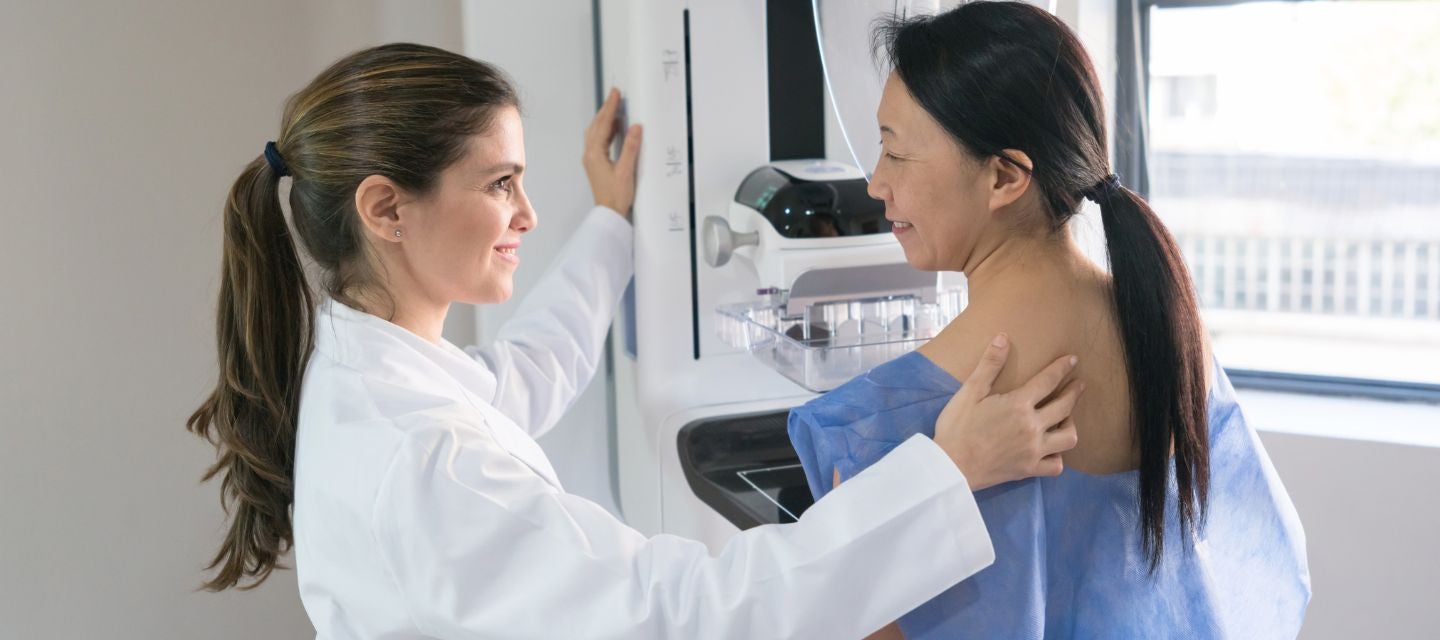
(1132,152)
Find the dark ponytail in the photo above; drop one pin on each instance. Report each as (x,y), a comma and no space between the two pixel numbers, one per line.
(1008,75)
(1164,353)
(402,111)
(263,331)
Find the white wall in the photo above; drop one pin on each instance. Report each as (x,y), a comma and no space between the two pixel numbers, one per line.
(122,126)
(1370,515)
(548,49)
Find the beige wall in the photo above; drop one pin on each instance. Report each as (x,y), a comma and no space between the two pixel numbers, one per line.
(122,125)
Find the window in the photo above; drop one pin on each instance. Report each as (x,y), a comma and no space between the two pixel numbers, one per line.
(1294,152)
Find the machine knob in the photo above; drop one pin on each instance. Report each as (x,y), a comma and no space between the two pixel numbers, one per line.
(721,242)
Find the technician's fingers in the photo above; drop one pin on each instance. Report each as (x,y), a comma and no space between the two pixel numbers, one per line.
(1051,466)
(981,380)
(625,167)
(602,128)
(1044,383)
(1059,408)
(1060,439)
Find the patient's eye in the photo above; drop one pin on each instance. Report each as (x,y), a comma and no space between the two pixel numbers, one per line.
(890,154)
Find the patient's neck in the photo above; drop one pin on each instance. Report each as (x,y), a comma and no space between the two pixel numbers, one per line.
(1025,262)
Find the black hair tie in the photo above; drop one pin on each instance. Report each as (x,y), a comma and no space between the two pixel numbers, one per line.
(1107,185)
(275,160)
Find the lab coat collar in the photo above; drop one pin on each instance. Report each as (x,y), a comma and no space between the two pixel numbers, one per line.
(386,352)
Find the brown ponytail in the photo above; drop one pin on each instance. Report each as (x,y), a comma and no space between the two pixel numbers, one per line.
(263,335)
(402,111)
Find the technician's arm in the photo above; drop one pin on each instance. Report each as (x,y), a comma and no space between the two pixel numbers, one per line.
(481,548)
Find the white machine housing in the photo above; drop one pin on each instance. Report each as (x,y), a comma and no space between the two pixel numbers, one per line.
(693,73)
(777,260)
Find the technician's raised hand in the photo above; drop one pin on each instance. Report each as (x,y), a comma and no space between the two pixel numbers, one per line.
(612,181)
(1004,437)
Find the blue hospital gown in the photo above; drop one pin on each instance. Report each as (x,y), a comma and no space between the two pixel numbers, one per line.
(1068,560)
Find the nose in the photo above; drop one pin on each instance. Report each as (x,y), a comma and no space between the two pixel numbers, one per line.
(524,219)
(878,188)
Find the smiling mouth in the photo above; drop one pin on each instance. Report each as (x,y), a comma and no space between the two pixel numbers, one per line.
(509,251)
(900,224)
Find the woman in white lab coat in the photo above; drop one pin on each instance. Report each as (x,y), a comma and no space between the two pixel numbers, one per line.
(404,471)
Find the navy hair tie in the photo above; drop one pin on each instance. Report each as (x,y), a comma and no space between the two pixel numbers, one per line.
(275,160)
(1105,186)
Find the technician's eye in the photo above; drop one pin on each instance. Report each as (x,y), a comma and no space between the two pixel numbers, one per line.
(504,184)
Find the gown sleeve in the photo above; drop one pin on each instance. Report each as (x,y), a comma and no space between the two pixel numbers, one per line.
(545,355)
(859,422)
(482,547)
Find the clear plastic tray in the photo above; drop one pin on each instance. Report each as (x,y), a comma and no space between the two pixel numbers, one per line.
(828,343)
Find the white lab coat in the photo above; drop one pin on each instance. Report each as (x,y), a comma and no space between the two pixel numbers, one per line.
(425,509)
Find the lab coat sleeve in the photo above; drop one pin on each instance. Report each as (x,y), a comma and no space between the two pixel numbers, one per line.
(482,548)
(545,355)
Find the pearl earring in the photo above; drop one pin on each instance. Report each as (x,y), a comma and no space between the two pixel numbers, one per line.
(397,233)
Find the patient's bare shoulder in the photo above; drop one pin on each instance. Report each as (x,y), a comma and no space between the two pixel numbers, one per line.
(1043,327)
(1035,341)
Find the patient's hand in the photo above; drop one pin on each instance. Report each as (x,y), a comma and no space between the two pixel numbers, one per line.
(1004,437)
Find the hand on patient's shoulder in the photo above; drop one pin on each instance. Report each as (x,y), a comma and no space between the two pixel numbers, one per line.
(999,437)
(1044,323)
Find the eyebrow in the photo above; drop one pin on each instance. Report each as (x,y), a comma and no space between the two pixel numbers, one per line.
(506,167)
(887,129)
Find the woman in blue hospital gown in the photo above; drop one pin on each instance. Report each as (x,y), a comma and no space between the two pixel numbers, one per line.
(1169,520)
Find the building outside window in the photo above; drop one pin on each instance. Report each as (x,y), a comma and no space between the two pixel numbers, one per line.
(1294,151)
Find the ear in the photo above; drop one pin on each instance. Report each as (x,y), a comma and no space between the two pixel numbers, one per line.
(1010,180)
(378,200)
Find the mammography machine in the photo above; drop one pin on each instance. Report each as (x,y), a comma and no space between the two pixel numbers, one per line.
(764,272)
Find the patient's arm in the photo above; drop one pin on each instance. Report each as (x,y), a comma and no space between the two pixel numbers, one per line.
(890,631)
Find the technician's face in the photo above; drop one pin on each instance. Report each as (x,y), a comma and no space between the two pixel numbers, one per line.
(467,239)
(934,192)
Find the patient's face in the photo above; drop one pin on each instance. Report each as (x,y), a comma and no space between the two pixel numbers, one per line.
(933,189)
